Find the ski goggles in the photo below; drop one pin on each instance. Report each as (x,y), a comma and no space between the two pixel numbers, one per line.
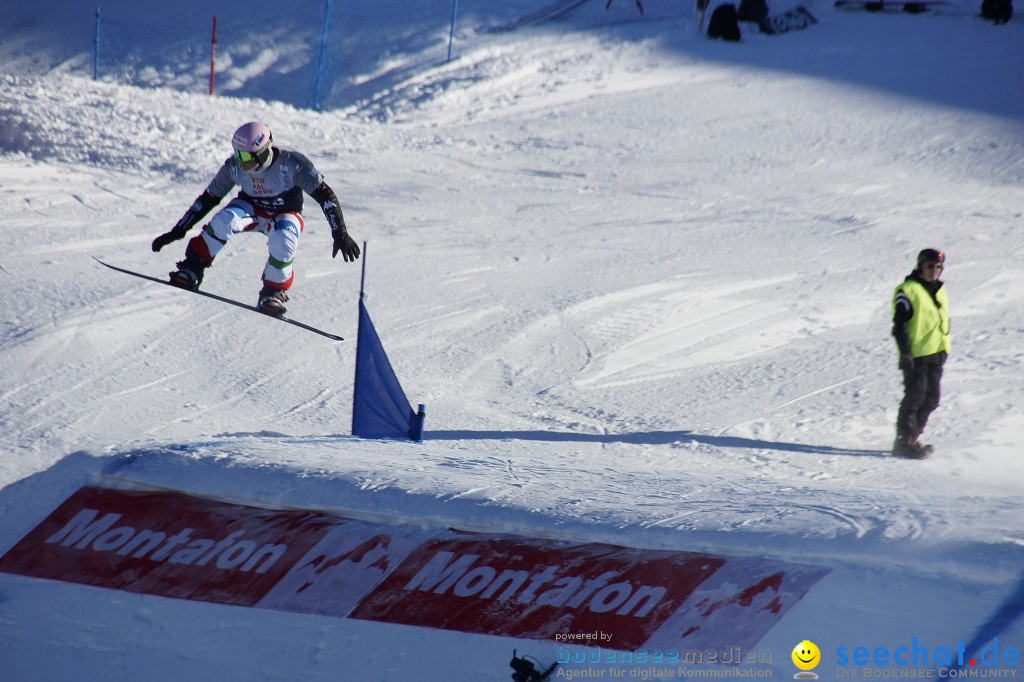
(243,156)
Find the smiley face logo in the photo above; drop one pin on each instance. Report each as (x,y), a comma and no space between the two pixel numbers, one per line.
(806,655)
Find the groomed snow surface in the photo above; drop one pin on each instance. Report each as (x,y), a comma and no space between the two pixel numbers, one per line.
(640,279)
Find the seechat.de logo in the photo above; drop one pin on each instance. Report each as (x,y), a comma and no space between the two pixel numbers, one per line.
(950,661)
(806,656)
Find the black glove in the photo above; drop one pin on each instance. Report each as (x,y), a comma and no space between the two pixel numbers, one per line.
(328,201)
(200,207)
(344,243)
(906,362)
(167,237)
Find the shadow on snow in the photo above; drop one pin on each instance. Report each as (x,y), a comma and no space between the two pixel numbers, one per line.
(654,438)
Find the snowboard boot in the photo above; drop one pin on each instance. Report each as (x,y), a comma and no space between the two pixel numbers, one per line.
(272,301)
(908,447)
(189,274)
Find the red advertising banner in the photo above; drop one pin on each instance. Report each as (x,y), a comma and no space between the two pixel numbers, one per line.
(536,588)
(175,545)
(167,544)
(736,606)
(341,569)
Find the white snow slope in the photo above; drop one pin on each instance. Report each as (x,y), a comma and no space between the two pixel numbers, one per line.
(640,279)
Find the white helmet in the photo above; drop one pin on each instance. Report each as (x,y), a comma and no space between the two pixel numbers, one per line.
(251,143)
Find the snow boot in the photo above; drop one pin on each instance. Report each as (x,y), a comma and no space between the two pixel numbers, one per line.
(925,447)
(908,447)
(272,301)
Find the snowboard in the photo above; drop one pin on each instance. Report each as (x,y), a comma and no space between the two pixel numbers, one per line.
(223,299)
(551,12)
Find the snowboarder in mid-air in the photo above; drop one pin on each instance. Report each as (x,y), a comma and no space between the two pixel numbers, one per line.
(921,327)
(272,180)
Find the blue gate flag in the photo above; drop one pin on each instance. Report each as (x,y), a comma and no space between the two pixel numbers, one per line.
(379,406)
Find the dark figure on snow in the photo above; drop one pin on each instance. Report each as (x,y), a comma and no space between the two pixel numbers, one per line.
(921,326)
(998,11)
(272,180)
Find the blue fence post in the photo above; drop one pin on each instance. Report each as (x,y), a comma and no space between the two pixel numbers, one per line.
(320,58)
(416,430)
(451,33)
(96,48)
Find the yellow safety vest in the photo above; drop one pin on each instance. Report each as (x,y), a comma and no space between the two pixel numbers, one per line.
(928,329)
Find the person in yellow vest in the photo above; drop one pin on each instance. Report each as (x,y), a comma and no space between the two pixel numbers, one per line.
(921,326)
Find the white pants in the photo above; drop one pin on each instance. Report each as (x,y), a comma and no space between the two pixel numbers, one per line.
(282,231)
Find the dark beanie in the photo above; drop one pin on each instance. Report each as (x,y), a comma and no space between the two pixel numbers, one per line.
(928,255)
